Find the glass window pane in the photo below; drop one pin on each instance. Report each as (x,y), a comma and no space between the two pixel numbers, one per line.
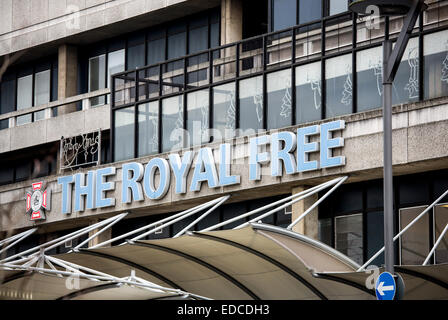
(251,105)
(23,171)
(148,128)
(375,236)
(39,115)
(7,95)
(115,64)
(338,79)
(284,14)
(124,134)
(309,10)
(436,64)
(214,35)
(348,236)
(369,68)
(172,123)
(97,77)
(324,231)
(54,82)
(42,88)
(198,117)
(4,124)
(136,56)
(6,175)
(224,111)
(25,92)
(338,6)
(414,243)
(406,86)
(308,93)
(156,51)
(279,99)
(198,39)
(441,220)
(26,118)
(176,45)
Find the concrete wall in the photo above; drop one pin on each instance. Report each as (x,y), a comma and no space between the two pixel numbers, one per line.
(29,23)
(420,143)
(52,129)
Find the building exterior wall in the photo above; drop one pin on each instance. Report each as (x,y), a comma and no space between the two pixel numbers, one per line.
(419,143)
(65,27)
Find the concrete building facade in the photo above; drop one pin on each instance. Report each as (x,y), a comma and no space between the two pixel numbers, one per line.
(222,73)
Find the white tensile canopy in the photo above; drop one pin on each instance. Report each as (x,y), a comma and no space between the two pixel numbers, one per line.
(252,261)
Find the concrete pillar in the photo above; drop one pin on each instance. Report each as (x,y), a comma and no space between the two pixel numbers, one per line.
(106,235)
(231,21)
(67,76)
(309,225)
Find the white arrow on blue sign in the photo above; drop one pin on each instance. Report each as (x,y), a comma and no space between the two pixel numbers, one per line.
(385,287)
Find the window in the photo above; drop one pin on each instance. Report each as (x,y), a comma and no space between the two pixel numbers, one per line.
(124,134)
(7,94)
(26,118)
(4,124)
(414,243)
(375,235)
(284,14)
(324,231)
(348,236)
(115,63)
(136,52)
(172,123)
(156,46)
(440,222)
(97,77)
(251,105)
(198,34)
(436,64)
(42,88)
(148,128)
(406,83)
(369,68)
(279,99)
(308,93)
(309,10)
(25,92)
(338,6)
(224,111)
(177,45)
(339,84)
(198,117)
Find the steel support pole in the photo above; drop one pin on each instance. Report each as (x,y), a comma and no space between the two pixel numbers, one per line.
(388,174)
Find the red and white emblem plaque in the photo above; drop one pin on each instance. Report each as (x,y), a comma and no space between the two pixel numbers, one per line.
(38,201)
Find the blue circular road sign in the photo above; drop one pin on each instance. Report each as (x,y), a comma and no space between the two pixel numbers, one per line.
(385,287)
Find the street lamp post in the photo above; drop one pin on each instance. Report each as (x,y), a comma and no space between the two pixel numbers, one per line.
(391,62)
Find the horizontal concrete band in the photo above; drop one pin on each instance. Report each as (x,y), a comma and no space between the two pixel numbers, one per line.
(420,144)
(29,23)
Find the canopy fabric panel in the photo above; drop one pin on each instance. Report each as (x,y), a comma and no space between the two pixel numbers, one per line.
(38,286)
(421,282)
(255,262)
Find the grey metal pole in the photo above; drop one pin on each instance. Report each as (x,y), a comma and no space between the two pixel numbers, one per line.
(388,174)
